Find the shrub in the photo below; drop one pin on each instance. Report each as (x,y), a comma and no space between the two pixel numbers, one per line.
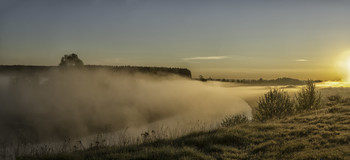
(308,98)
(335,98)
(346,101)
(274,104)
(232,120)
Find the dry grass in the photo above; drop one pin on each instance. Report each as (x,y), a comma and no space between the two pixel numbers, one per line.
(317,134)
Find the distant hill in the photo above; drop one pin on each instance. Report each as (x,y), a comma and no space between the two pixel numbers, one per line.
(184,72)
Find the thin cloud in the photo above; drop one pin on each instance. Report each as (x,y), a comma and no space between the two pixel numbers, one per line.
(301,60)
(205,58)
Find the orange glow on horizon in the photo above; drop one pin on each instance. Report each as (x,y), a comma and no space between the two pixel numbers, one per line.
(333,84)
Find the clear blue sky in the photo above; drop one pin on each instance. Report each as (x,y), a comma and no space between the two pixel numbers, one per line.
(217,38)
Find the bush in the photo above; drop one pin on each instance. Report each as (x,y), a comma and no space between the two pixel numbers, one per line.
(232,120)
(308,98)
(335,98)
(274,104)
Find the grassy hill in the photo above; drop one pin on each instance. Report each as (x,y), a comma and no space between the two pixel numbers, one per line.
(320,135)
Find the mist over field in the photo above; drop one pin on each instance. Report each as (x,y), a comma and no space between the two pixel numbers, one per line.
(74,103)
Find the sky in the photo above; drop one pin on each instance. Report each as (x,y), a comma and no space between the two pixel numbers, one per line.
(305,39)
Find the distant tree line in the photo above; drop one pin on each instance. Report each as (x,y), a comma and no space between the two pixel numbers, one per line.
(70,61)
(11,69)
(278,81)
(143,69)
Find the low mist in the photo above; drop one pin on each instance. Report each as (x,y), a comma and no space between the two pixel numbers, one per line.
(62,104)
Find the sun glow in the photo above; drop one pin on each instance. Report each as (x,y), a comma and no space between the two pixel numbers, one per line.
(348,71)
(343,65)
(333,84)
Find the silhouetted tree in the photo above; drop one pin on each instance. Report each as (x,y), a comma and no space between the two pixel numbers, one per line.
(71,60)
(202,78)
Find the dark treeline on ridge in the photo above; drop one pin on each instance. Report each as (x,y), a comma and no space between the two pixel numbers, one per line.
(13,69)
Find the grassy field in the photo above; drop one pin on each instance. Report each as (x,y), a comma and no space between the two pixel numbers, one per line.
(320,135)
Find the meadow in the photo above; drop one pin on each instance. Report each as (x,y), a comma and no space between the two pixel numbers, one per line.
(174,79)
(319,134)
(172,118)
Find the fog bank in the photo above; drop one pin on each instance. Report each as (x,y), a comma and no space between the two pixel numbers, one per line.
(63,104)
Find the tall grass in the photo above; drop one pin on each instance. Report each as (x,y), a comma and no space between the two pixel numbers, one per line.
(117,140)
(302,136)
(233,120)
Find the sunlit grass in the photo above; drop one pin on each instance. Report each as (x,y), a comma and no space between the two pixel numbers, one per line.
(316,134)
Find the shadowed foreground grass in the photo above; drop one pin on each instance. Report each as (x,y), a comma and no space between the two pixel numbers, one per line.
(322,134)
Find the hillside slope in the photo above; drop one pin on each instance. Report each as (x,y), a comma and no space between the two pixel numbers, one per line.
(322,134)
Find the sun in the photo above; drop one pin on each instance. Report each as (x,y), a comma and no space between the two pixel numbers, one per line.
(343,65)
(348,70)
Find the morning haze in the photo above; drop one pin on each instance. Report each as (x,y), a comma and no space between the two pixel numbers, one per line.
(174,79)
(250,36)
